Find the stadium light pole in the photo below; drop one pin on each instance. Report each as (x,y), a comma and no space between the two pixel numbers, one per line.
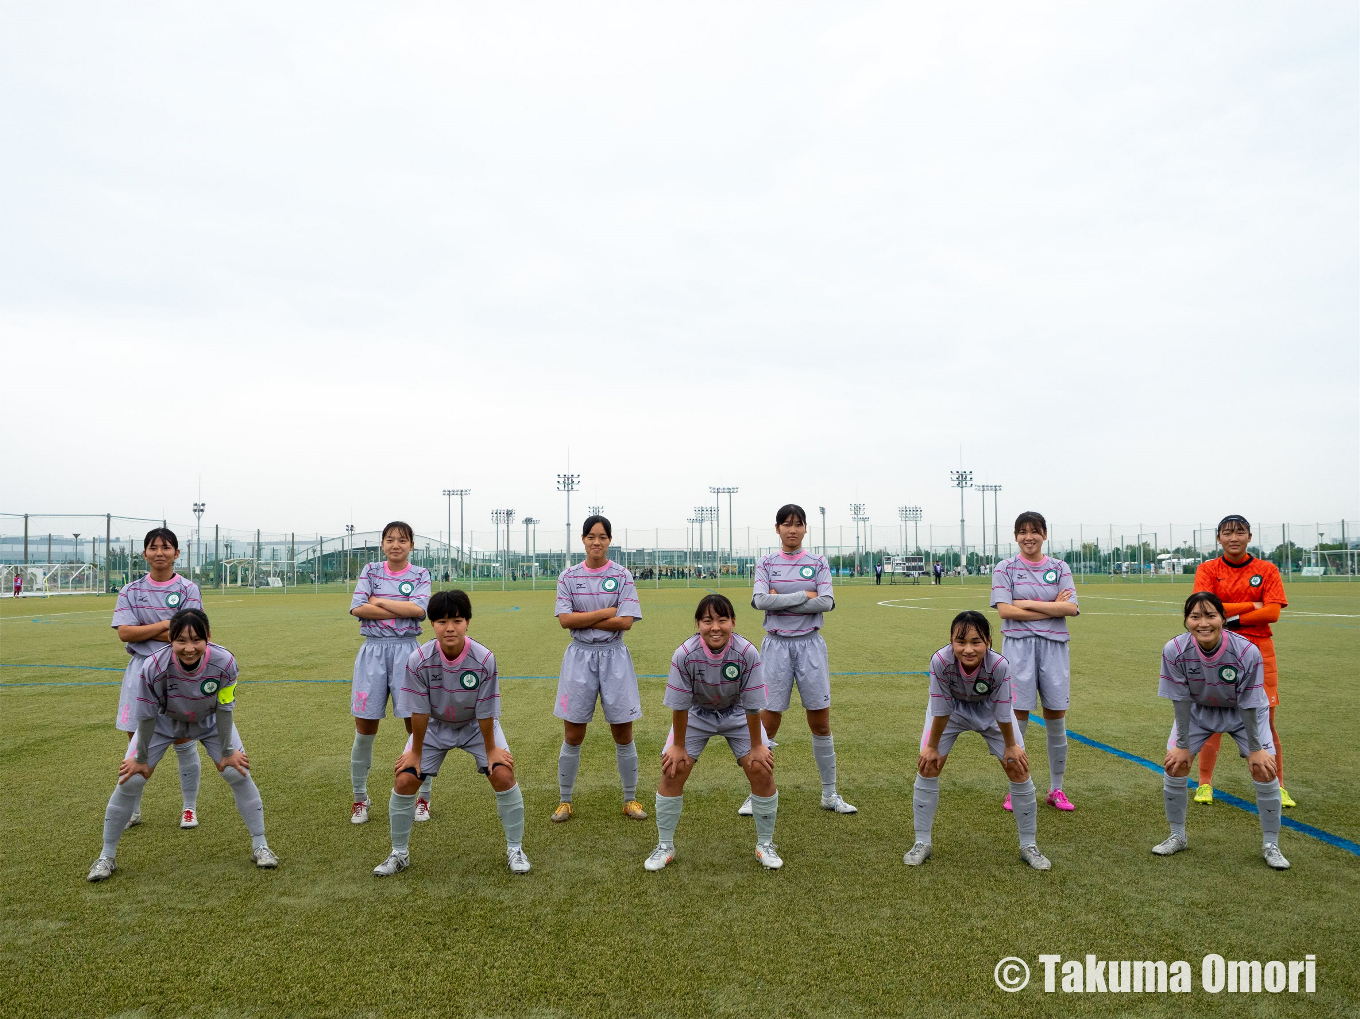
(199,507)
(533,560)
(704,515)
(857,514)
(509,519)
(728,491)
(822,511)
(567,483)
(349,530)
(996,532)
(595,511)
(912,514)
(449,493)
(962,479)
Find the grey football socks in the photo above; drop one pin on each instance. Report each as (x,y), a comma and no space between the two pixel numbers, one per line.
(248,804)
(667,817)
(1268,807)
(401,815)
(510,807)
(124,800)
(824,753)
(1176,795)
(925,800)
(1026,810)
(1055,731)
(360,761)
(568,764)
(424,793)
(190,771)
(626,756)
(764,808)
(1021,726)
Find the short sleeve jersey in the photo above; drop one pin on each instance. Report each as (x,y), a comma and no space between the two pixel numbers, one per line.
(781,573)
(453,690)
(1251,580)
(411,584)
(988,686)
(145,601)
(169,689)
(583,589)
(1018,578)
(1231,677)
(715,681)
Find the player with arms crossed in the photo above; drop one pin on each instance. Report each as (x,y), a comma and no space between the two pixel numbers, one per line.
(1213,678)
(970,691)
(141,618)
(187,692)
(1252,594)
(793,588)
(389,601)
(715,689)
(598,602)
(454,695)
(1034,594)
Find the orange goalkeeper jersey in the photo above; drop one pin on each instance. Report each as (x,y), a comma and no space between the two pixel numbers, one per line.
(1251,580)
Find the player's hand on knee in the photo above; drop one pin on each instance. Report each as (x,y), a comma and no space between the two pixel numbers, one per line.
(760,761)
(408,760)
(128,767)
(236,759)
(674,761)
(1014,757)
(929,763)
(499,757)
(1262,766)
(1177,762)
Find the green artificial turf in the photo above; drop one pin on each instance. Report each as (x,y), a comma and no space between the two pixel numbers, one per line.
(188,926)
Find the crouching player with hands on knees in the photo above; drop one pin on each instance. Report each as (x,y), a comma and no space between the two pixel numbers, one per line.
(715,688)
(1213,679)
(454,695)
(187,691)
(970,691)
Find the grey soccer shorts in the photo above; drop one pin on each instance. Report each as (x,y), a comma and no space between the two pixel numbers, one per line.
(598,670)
(379,670)
(168,731)
(800,661)
(704,725)
(1204,722)
(979,721)
(127,696)
(440,738)
(1041,672)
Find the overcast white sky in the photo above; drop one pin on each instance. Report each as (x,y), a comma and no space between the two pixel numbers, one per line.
(337,257)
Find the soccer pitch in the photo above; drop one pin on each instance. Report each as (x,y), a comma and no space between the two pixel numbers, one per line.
(188,926)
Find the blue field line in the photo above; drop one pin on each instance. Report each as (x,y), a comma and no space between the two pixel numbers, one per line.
(1305,829)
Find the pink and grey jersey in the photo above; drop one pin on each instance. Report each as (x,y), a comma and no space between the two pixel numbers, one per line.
(1018,578)
(169,689)
(411,584)
(146,601)
(582,589)
(781,573)
(715,681)
(1231,677)
(452,690)
(986,687)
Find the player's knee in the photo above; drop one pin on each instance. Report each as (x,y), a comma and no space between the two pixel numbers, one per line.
(232,776)
(502,777)
(407,783)
(1179,770)
(1015,770)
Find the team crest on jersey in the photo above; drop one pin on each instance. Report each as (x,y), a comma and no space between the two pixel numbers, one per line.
(806,572)
(731,670)
(406,587)
(209,686)
(173,599)
(469,680)
(982,685)
(611,584)
(1228,674)
(1256,580)
(1050,576)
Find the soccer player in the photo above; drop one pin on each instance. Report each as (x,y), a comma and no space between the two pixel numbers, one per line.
(18,583)
(793,588)
(1034,594)
(389,601)
(454,696)
(141,618)
(715,689)
(187,690)
(1214,680)
(598,602)
(970,691)
(1253,595)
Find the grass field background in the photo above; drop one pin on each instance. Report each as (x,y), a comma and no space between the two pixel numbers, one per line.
(189,927)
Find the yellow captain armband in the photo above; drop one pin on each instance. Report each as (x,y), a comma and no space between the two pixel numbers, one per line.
(227,694)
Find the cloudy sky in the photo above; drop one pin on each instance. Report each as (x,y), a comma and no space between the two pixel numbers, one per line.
(335,258)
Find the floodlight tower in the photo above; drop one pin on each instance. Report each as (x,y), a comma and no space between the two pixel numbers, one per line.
(719,490)
(704,514)
(911,515)
(857,514)
(568,483)
(996,544)
(199,507)
(961,479)
(449,493)
(595,511)
(822,511)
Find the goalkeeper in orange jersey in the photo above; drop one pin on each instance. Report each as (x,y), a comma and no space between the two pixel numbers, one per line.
(1252,594)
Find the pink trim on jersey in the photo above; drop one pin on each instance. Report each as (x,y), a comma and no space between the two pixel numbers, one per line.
(388,570)
(162,583)
(592,570)
(711,655)
(791,558)
(1044,557)
(969,675)
(202,664)
(1199,649)
(452,661)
